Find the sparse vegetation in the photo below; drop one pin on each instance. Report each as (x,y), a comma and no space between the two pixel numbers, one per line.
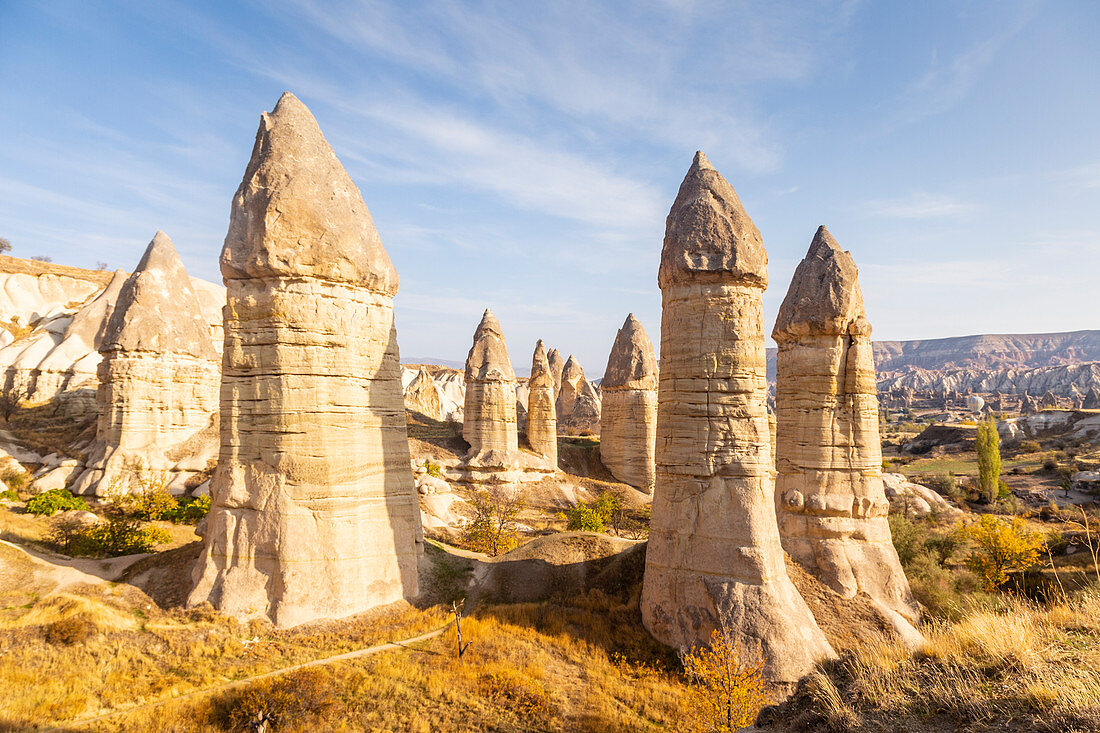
(987,445)
(493,527)
(55,500)
(729,691)
(596,515)
(1001,547)
(118,534)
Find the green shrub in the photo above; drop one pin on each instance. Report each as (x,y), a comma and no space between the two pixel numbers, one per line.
(907,536)
(191,511)
(1029,446)
(583,518)
(53,501)
(594,516)
(433,469)
(9,494)
(118,535)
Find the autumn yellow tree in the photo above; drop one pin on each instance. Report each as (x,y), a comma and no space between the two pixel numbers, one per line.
(728,683)
(493,527)
(1001,547)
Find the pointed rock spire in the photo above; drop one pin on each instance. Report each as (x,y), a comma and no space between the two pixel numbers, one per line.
(824,296)
(628,409)
(542,422)
(157,309)
(298,213)
(90,322)
(632,362)
(557,366)
(488,357)
(708,235)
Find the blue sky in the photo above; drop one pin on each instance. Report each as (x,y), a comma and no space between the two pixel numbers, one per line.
(524,155)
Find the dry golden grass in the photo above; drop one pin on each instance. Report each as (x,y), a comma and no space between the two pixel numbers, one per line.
(1025,667)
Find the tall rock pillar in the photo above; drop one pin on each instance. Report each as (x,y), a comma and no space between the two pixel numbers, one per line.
(830,500)
(489,414)
(314,510)
(628,412)
(542,420)
(158,377)
(714,552)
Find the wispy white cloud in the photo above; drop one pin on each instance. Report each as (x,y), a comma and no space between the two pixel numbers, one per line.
(919,205)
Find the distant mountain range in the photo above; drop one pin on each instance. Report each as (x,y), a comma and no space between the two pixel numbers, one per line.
(983,351)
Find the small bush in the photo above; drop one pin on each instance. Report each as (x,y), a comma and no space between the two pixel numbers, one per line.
(1029,446)
(907,536)
(191,511)
(15,479)
(292,702)
(729,684)
(70,630)
(596,515)
(55,500)
(517,693)
(1002,547)
(118,535)
(1050,464)
(9,494)
(433,469)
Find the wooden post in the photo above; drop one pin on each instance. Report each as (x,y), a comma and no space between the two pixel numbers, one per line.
(457,608)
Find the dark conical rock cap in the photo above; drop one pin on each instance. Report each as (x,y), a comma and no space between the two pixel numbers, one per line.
(297,213)
(157,309)
(824,297)
(488,358)
(90,322)
(708,235)
(632,363)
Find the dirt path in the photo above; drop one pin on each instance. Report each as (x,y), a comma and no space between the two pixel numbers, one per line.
(60,726)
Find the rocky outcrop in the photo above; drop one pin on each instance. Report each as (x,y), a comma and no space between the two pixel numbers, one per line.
(714,552)
(314,512)
(158,378)
(578,403)
(423,396)
(489,415)
(628,417)
(1059,380)
(557,368)
(542,421)
(830,499)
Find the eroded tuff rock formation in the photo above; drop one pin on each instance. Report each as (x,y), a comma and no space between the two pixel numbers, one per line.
(628,411)
(489,415)
(578,403)
(158,378)
(424,396)
(714,551)
(314,510)
(830,499)
(557,367)
(542,421)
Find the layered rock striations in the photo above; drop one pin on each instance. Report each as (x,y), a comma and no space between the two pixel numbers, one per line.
(489,414)
(423,396)
(830,499)
(542,420)
(628,411)
(578,404)
(314,510)
(158,377)
(714,552)
(557,368)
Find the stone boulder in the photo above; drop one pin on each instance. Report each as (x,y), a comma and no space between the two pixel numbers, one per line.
(628,416)
(714,554)
(314,513)
(830,499)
